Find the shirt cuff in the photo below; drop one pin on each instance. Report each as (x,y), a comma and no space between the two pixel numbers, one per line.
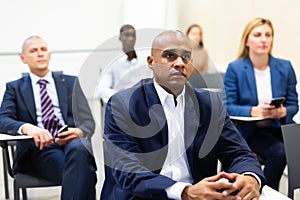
(20,129)
(255,176)
(175,190)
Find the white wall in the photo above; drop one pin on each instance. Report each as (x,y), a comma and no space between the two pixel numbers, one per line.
(72,25)
(86,25)
(224,20)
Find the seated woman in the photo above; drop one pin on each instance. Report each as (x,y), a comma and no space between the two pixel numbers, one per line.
(250,83)
(200,57)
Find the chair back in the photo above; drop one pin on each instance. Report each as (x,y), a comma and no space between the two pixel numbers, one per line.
(207,80)
(291,138)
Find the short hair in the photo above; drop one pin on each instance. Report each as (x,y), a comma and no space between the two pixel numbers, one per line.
(126,27)
(29,38)
(243,51)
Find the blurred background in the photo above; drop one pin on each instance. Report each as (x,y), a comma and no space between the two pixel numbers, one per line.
(73,28)
(82,35)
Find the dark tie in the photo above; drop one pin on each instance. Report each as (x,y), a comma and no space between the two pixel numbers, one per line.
(49,120)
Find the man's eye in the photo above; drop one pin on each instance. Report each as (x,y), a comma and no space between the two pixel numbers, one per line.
(170,55)
(186,56)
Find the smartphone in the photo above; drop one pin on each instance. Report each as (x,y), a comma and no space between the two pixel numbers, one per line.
(62,129)
(277,101)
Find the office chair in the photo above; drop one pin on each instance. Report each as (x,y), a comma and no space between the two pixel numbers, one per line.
(21,180)
(12,145)
(291,138)
(207,80)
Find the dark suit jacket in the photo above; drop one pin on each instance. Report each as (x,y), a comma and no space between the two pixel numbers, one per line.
(136,139)
(18,107)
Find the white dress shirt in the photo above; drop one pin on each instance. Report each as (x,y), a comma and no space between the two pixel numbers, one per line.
(176,164)
(51,90)
(122,74)
(263,84)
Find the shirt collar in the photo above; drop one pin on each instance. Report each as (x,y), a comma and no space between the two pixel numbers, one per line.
(35,78)
(163,95)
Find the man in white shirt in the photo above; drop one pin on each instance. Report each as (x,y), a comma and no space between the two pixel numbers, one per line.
(125,70)
(163,139)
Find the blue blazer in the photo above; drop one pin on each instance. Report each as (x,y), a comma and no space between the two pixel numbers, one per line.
(18,108)
(136,142)
(240,87)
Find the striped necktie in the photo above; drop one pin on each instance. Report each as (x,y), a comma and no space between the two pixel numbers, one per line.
(49,119)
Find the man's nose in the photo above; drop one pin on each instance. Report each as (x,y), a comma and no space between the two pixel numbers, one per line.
(40,53)
(179,60)
(179,64)
(131,38)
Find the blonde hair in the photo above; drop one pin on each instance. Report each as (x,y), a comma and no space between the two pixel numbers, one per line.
(243,51)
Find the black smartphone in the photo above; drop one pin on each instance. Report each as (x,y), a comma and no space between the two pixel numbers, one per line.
(62,129)
(277,101)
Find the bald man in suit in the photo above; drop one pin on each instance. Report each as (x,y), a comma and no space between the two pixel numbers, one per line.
(65,158)
(163,139)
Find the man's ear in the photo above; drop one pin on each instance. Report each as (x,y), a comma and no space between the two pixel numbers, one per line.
(23,59)
(150,62)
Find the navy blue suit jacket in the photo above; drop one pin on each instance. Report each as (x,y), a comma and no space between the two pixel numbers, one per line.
(136,139)
(18,107)
(240,87)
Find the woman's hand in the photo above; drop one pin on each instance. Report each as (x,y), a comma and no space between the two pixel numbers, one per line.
(267,111)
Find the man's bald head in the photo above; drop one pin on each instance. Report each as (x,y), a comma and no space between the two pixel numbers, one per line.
(169,37)
(28,40)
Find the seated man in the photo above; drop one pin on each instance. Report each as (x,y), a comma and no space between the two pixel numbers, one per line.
(163,139)
(127,69)
(38,105)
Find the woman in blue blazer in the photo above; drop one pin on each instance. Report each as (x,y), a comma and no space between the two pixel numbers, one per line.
(250,83)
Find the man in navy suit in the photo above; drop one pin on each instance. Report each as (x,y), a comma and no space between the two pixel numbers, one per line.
(66,159)
(163,139)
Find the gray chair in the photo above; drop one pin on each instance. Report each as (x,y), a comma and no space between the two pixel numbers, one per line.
(291,138)
(12,145)
(207,80)
(21,180)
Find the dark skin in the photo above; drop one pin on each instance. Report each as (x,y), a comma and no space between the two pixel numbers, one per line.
(172,68)
(128,38)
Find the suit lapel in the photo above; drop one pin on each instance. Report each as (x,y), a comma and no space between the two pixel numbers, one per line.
(153,99)
(249,76)
(191,123)
(62,93)
(275,77)
(27,95)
